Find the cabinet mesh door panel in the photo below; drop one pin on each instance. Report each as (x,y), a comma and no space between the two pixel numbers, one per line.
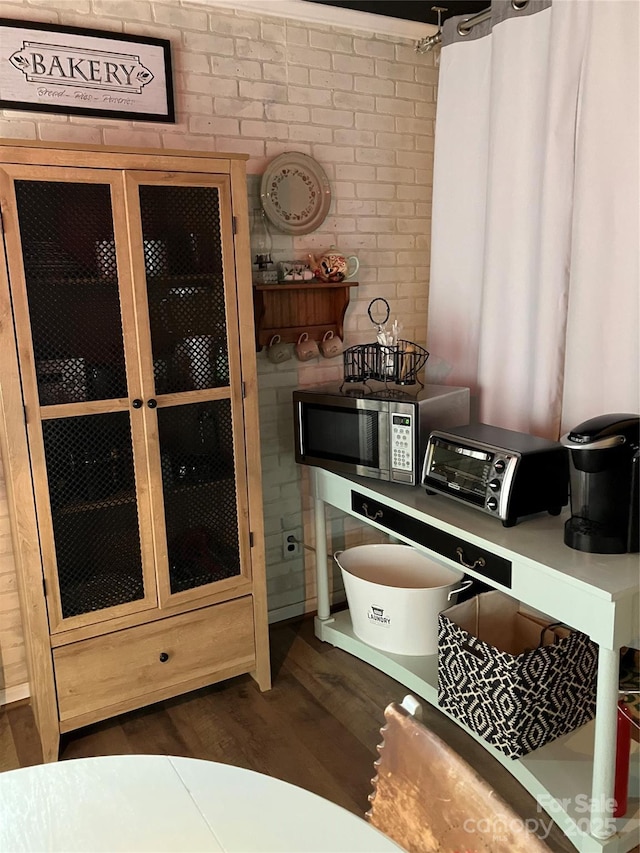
(196,446)
(185,287)
(94,511)
(72,289)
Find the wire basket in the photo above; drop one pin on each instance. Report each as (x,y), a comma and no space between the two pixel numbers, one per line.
(408,359)
(399,364)
(361,362)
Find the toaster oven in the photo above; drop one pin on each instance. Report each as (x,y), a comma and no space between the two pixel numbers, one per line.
(504,473)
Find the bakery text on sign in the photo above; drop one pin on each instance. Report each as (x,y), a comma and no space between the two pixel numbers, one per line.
(93,69)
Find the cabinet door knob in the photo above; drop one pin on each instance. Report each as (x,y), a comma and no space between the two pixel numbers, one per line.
(152,403)
(136,404)
(164,657)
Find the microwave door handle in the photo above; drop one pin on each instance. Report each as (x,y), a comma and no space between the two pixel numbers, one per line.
(384,460)
(300,433)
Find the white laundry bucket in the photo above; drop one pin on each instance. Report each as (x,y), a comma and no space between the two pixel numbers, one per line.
(394,595)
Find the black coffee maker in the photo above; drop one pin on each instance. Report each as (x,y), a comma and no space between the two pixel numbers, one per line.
(604,478)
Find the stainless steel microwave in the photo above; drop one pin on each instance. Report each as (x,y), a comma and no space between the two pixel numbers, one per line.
(373,433)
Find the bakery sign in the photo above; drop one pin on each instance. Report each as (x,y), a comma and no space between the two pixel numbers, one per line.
(55,69)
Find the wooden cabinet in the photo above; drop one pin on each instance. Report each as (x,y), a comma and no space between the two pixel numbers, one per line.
(288,310)
(129,406)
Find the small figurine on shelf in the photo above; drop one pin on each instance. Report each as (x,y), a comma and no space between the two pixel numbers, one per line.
(295,271)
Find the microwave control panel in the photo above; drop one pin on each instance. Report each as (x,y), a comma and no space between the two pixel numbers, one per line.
(402,450)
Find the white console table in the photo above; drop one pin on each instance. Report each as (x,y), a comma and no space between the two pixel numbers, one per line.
(572,778)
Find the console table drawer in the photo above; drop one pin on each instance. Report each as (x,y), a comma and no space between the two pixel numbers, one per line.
(453,547)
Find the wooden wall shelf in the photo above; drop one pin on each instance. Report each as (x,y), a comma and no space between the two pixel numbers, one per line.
(288,310)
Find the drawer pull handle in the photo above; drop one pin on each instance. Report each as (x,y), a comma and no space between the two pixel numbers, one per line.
(378,514)
(479,562)
(137,404)
(164,657)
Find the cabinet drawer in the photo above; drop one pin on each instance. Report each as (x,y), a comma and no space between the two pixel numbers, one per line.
(149,662)
(455,548)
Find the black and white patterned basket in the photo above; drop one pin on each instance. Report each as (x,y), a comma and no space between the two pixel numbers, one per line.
(516,702)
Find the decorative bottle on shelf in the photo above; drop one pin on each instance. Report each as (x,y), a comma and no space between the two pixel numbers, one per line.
(261,245)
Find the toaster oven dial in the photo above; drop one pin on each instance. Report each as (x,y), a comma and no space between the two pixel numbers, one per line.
(499,465)
(492,503)
(494,485)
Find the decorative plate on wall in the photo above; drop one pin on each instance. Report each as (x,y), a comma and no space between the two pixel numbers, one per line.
(295,193)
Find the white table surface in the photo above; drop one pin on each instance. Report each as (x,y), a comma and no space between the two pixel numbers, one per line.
(163,803)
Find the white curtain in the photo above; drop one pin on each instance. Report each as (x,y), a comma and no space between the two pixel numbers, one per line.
(534,297)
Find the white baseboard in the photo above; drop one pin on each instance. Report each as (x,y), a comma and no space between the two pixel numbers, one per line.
(300,608)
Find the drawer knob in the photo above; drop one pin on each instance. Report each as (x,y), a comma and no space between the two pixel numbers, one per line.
(164,657)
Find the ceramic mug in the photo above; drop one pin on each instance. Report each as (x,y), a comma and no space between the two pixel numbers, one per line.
(331,345)
(278,351)
(306,348)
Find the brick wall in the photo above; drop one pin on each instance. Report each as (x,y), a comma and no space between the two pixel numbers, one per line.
(363,105)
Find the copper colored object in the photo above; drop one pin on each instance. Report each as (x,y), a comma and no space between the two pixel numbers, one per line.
(429,800)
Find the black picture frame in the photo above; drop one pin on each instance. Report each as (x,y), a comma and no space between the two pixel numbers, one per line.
(82,74)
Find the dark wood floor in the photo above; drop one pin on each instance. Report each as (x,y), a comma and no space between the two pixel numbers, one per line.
(317,728)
